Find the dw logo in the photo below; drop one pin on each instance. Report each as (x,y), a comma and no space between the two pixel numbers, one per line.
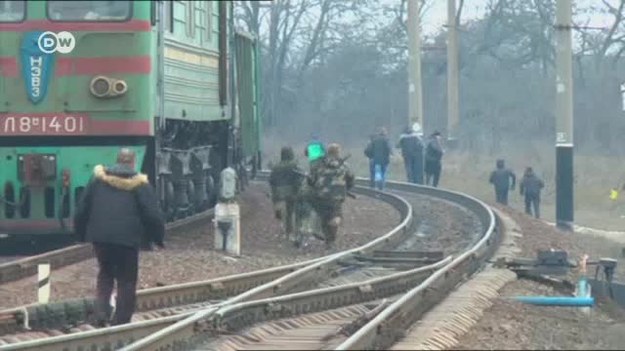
(50,42)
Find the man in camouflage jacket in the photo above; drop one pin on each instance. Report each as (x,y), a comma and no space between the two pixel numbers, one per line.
(285,180)
(331,181)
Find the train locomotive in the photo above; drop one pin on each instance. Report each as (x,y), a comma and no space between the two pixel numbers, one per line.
(172,80)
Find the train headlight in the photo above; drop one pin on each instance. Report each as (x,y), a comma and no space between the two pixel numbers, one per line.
(120,87)
(100,86)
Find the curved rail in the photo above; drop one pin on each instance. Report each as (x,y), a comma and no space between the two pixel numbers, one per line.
(174,324)
(313,272)
(167,336)
(441,277)
(380,332)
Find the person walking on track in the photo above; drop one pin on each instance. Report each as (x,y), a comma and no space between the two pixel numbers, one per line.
(530,187)
(433,156)
(331,182)
(315,151)
(118,211)
(411,147)
(379,152)
(501,178)
(285,180)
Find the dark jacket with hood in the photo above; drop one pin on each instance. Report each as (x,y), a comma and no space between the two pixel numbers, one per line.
(379,150)
(119,207)
(434,150)
(501,177)
(285,177)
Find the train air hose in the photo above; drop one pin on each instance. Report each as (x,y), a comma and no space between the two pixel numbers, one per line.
(62,209)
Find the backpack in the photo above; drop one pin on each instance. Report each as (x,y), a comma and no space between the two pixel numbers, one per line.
(315,151)
(330,183)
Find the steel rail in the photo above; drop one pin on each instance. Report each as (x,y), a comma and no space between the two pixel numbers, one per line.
(381,331)
(127,333)
(26,267)
(72,311)
(245,313)
(307,275)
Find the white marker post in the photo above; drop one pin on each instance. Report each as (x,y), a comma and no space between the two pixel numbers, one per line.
(113,303)
(227,216)
(43,283)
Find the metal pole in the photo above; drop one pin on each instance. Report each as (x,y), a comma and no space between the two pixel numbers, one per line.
(452,73)
(234,125)
(415,98)
(564,116)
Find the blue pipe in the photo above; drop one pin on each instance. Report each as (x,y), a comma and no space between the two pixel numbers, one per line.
(557,301)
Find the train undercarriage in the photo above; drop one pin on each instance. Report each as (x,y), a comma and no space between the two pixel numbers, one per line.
(190,158)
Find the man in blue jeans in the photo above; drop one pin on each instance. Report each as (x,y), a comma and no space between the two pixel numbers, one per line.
(379,153)
(411,147)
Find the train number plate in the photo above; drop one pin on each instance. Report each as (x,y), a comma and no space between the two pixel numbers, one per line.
(40,124)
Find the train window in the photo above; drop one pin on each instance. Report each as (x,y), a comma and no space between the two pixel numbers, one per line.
(169,16)
(12,10)
(190,19)
(209,20)
(92,11)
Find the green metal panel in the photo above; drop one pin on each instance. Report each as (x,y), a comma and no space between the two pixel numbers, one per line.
(69,93)
(191,69)
(246,95)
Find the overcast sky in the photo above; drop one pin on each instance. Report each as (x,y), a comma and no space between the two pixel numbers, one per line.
(437,14)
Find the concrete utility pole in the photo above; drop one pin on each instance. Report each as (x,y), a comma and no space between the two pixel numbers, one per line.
(452,73)
(415,96)
(564,116)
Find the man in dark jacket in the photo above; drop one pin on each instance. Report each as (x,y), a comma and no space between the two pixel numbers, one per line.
(411,147)
(285,180)
(117,210)
(433,157)
(500,179)
(379,153)
(530,187)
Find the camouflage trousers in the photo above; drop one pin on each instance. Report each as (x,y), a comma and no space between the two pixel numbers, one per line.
(330,214)
(283,210)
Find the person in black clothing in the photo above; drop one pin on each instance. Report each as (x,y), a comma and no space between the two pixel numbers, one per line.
(500,179)
(433,157)
(379,153)
(118,211)
(530,187)
(411,147)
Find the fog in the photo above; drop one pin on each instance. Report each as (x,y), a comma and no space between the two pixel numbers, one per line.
(338,67)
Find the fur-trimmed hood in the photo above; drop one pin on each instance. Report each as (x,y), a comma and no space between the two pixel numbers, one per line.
(124,183)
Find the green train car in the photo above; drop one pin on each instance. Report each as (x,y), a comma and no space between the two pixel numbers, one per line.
(172,80)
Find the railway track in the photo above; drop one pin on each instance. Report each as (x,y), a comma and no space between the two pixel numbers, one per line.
(345,321)
(354,279)
(26,267)
(68,317)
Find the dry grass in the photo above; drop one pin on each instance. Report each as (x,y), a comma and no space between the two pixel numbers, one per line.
(466,172)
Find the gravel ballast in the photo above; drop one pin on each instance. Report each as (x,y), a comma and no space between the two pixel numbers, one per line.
(511,325)
(189,255)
